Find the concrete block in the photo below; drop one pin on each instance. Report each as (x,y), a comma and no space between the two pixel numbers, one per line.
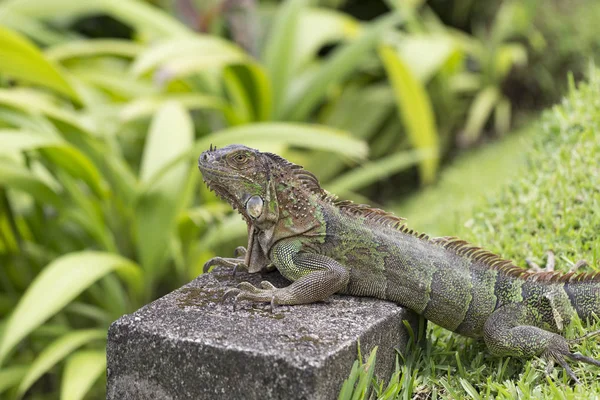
(189,345)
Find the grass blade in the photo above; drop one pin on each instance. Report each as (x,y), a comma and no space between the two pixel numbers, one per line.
(59,283)
(365,376)
(81,371)
(414,107)
(55,352)
(348,386)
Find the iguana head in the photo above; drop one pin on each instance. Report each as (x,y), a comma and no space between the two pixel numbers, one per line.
(242,177)
(264,187)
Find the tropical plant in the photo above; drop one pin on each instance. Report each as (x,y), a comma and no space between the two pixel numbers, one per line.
(101,211)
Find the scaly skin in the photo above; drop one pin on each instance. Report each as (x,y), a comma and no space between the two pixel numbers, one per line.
(326,247)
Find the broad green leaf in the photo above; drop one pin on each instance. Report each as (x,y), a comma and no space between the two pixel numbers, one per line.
(33,101)
(112,82)
(301,135)
(177,56)
(238,97)
(11,376)
(44,9)
(93,48)
(34,29)
(414,107)
(146,18)
(319,27)
(171,135)
(426,54)
(479,112)
(147,106)
(18,177)
(508,56)
(249,91)
(55,352)
(69,158)
(58,284)
(81,371)
(14,140)
(337,68)
(375,103)
(374,171)
(22,60)
(279,53)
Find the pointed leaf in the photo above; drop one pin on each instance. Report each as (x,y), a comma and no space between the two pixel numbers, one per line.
(172,55)
(148,106)
(279,54)
(337,68)
(21,59)
(34,101)
(17,177)
(414,107)
(60,152)
(58,284)
(479,113)
(81,371)
(374,171)
(93,48)
(55,352)
(171,135)
(10,376)
(301,135)
(320,27)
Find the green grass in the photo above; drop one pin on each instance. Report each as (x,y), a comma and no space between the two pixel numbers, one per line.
(552,201)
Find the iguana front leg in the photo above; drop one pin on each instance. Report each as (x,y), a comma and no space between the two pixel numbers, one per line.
(507,333)
(315,277)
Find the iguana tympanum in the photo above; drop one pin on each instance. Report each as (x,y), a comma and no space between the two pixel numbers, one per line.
(326,246)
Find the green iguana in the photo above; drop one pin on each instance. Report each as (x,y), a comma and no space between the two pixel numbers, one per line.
(326,246)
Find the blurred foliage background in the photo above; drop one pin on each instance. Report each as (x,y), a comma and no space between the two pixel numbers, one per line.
(106,104)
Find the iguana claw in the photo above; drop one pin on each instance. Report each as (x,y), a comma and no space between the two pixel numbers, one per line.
(247,291)
(235,263)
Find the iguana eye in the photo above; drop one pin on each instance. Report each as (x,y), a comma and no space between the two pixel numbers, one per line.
(240,158)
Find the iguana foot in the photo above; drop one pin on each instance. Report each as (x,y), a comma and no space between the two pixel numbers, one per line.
(559,350)
(235,262)
(246,291)
(551,262)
